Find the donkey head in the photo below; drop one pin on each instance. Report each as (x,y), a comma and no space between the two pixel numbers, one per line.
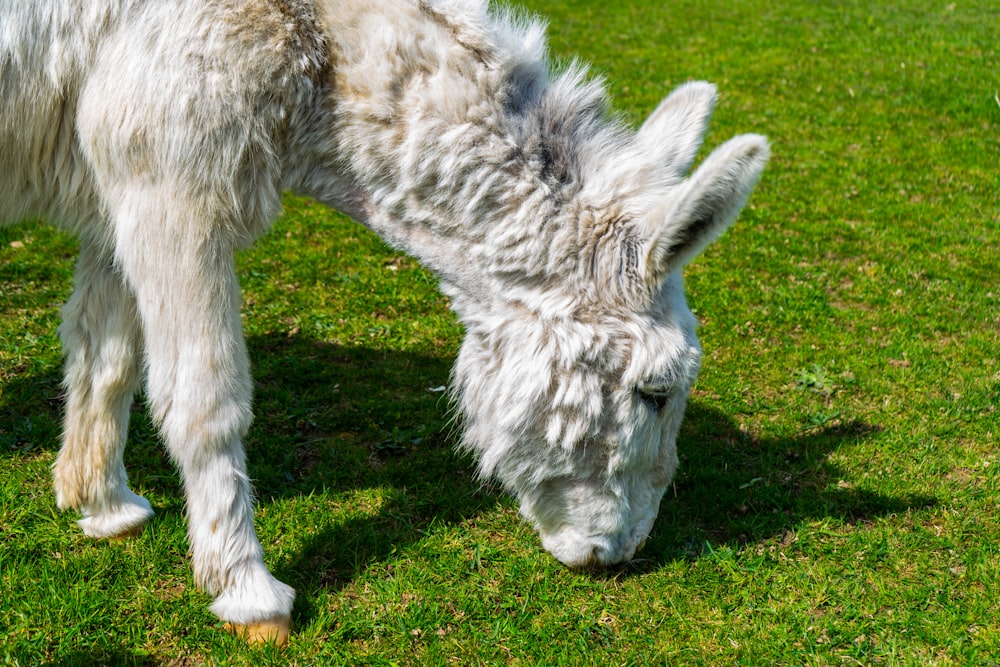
(573,384)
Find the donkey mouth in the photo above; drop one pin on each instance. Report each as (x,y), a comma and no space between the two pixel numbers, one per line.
(581,552)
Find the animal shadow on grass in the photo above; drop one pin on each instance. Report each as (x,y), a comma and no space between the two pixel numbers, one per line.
(334,419)
(339,419)
(330,420)
(735,489)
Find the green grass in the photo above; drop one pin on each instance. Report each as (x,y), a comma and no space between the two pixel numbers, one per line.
(839,496)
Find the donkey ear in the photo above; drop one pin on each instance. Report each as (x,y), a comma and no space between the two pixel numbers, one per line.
(704,205)
(674,131)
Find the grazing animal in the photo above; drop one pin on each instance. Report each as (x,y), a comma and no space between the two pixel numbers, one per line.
(163,134)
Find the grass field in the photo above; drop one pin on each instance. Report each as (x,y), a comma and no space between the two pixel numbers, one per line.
(839,496)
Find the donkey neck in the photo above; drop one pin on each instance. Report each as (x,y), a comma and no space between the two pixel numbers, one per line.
(457,144)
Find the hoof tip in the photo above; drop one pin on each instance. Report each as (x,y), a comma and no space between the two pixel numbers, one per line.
(272,631)
(128,534)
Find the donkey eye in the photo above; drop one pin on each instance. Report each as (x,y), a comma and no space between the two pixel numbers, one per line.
(654,397)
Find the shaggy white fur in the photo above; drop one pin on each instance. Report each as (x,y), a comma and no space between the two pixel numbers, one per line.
(163,133)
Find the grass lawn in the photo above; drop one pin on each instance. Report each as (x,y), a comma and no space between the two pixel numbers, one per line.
(839,497)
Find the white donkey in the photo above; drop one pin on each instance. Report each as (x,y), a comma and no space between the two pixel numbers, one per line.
(163,133)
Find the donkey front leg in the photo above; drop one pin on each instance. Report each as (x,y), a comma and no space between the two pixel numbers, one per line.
(101,340)
(199,390)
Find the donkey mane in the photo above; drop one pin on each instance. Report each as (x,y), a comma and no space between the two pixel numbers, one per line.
(523,143)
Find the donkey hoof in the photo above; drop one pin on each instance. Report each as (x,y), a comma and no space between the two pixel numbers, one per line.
(274,630)
(127,534)
(112,527)
(117,521)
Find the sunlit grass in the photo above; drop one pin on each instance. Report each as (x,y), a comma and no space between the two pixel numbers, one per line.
(838,499)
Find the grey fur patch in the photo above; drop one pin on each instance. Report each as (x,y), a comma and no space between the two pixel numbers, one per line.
(629,270)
